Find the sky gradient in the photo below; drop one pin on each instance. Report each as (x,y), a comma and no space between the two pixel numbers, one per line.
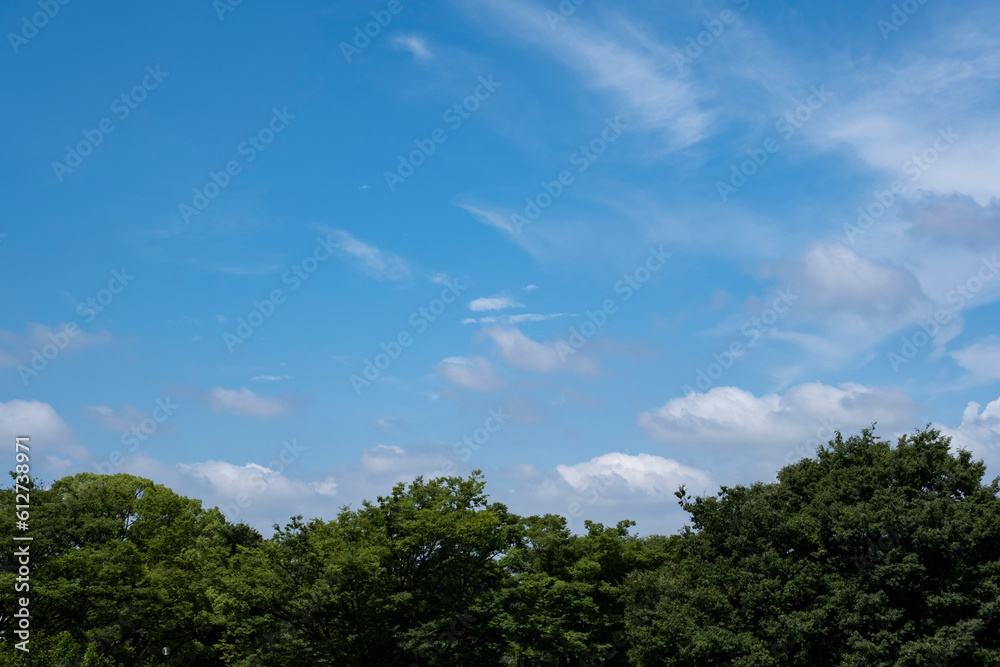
(280,258)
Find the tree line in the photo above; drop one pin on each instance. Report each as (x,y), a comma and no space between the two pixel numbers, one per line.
(869,553)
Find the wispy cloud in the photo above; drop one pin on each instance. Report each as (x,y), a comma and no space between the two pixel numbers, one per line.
(116,420)
(662,101)
(246,402)
(520,351)
(20,348)
(414,45)
(499,302)
(473,373)
(379,264)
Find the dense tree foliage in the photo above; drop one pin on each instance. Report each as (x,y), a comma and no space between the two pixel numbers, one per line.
(867,554)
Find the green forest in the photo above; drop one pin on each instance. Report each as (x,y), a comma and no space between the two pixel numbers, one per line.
(869,553)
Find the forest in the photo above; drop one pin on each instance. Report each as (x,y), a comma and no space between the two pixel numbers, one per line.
(871,552)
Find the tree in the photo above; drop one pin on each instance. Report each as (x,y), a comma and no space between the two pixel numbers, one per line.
(117,565)
(406,579)
(867,555)
(564,602)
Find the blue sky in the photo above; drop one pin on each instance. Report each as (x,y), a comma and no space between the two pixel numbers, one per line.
(279,264)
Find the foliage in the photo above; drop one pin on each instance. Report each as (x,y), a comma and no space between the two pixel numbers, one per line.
(868,554)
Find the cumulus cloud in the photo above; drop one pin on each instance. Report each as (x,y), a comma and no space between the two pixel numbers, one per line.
(731,418)
(473,373)
(43,424)
(640,473)
(520,351)
(979,433)
(246,402)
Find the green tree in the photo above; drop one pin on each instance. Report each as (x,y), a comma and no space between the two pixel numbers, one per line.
(867,555)
(117,566)
(564,602)
(407,579)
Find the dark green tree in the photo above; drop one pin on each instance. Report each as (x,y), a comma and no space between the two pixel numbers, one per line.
(866,555)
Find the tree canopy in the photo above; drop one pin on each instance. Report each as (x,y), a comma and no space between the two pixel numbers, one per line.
(867,554)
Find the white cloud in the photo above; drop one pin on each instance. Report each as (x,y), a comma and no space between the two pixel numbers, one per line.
(731,418)
(380,264)
(499,302)
(622,66)
(473,373)
(270,378)
(979,433)
(641,473)
(895,110)
(519,351)
(835,276)
(532,317)
(981,359)
(246,402)
(847,303)
(43,424)
(382,458)
(513,319)
(252,479)
(415,45)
